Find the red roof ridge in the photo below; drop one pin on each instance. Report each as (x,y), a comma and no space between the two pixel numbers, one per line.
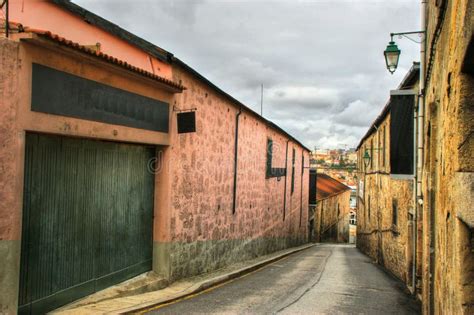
(111,59)
(326,186)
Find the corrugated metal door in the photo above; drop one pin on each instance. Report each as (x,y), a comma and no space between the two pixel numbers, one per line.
(87,218)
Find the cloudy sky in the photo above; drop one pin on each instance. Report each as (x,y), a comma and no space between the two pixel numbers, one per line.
(321,62)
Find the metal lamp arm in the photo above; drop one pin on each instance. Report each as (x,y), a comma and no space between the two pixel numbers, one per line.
(404,34)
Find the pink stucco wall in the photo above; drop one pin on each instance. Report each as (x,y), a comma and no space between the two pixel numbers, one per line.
(202,180)
(195,230)
(194,187)
(45,15)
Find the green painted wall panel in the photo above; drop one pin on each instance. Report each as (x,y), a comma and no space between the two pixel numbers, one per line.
(87,218)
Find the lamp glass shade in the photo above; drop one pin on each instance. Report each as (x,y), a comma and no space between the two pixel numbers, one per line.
(392,54)
(366,158)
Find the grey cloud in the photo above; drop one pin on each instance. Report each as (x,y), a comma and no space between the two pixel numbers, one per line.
(357,113)
(321,62)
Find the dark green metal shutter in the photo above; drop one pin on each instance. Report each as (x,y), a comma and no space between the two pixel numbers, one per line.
(87,218)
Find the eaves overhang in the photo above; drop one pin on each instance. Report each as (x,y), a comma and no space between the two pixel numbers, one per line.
(327,187)
(405,88)
(38,36)
(114,29)
(236,102)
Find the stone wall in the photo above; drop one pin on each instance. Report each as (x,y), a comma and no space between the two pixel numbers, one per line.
(448,214)
(332,218)
(383,235)
(205,234)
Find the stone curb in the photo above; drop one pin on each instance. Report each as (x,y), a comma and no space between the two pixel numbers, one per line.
(206,284)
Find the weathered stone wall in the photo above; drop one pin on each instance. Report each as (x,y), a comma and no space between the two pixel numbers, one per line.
(331,224)
(9,177)
(381,234)
(448,214)
(204,233)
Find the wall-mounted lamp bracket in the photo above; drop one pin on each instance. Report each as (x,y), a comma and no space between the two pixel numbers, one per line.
(179,110)
(405,34)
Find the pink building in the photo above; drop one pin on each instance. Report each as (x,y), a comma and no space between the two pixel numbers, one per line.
(117,158)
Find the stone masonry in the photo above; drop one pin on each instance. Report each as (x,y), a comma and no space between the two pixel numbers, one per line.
(448,164)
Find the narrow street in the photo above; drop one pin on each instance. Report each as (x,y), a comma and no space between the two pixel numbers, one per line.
(328,279)
(223,157)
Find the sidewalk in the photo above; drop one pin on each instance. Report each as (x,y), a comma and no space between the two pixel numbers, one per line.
(176,290)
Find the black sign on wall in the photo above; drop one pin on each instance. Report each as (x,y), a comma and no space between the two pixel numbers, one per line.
(186,122)
(401,134)
(270,170)
(60,93)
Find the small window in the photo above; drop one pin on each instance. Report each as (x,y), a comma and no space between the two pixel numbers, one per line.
(395,212)
(352,219)
(338,211)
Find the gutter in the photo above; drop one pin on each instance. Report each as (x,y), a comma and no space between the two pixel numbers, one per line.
(157,52)
(236,154)
(115,30)
(333,195)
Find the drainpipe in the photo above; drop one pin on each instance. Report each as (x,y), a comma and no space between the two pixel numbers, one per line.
(301,187)
(236,151)
(420,145)
(414,198)
(286,180)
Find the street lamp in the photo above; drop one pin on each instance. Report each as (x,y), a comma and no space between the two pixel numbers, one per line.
(366,158)
(392,54)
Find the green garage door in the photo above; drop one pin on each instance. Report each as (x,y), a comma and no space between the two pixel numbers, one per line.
(87,218)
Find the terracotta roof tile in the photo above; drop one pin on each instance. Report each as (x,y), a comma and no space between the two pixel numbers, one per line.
(327,186)
(63,41)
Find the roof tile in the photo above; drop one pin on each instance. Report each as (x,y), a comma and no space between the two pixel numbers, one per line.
(327,186)
(111,59)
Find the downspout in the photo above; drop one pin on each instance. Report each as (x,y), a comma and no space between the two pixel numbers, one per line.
(414,200)
(286,180)
(236,150)
(301,187)
(419,143)
(7,18)
(321,222)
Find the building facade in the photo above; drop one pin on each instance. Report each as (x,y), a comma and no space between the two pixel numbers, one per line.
(118,159)
(442,219)
(385,225)
(445,204)
(332,212)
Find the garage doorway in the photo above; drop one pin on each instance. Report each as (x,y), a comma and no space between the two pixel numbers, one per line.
(87,218)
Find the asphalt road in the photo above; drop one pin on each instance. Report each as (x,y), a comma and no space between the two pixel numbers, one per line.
(325,279)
